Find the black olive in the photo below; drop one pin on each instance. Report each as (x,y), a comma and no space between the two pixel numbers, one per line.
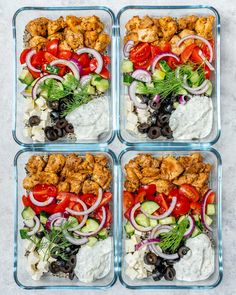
(172,261)
(51,134)
(60,132)
(168,109)
(34,121)
(54,115)
(152,120)
(72,260)
(69,128)
(145,98)
(63,103)
(71,275)
(54,267)
(143,128)
(166,131)
(163,118)
(157,276)
(54,105)
(169,273)
(154,105)
(159,261)
(61,123)
(150,258)
(67,267)
(40,234)
(183,251)
(154,132)
(68,250)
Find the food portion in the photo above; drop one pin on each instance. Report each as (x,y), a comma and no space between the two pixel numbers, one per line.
(168,210)
(67,217)
(167,68)
(66,77)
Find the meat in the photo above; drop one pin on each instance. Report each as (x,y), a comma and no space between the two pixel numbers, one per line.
(74,23)
(56,25)
(90,38)
(204,26)
(35,164)
(55,163)
(76,181)
(102,176)
(133,24)
(41,177)
(57,35)
(37,42)
(91,187)
(102,42)
(38,27)
(171,168)
(92,23)
(187,22)
(148,35)
(168,27)
(163,186)
(74,40)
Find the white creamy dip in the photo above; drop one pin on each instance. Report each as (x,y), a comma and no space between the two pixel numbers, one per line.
(94,262)
(192,120)
(91,119)
(198,264)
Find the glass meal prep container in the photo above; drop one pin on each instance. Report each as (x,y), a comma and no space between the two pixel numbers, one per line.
(124,15)
(209,156)
(48,281)
(20,19)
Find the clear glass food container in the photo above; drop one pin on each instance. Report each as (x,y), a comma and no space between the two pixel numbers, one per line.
(210,156)
(21,276)
(20,19)
(125,14)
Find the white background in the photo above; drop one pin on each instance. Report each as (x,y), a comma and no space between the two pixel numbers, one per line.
(226,144)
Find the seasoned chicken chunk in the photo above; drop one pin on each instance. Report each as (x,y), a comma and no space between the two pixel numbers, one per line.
(150,172)
(163,186)
(174,48)
(171,168)
(102,176)
(133,36)
(185,33)
(92,23)
(55,163)
(201,180)
(146,22)
(90,187)
(76,181)
(35,164)
(37,42)
(90,38)
(30,182)
(148,34)
(63,45)
(43,177)
(102,42)
(38,27)
(187,22)
(74,40)
(133,23)
(168,27)
(56,25)
(204,26)
(72,165)
(57,35)
(63,186)
(101,159)
(144,160)
(185,178)
(74,23)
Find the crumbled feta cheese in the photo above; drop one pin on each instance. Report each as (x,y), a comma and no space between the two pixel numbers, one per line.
(38,133)
(135,239)
(29,104)
(40,102)
(43,266)
(33,258)
(27,132)
(129,246)
(131,273)
(132,118)
(129,105)
(142,273)
(37,275)
(35,113)
(130,260)
(132,127)
(138,233)
(29,245)
(44,115)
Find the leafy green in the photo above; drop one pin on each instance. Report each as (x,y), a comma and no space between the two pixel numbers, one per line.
(70,82)
(54,89)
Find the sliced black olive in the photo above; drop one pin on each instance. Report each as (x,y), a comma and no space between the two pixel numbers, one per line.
(40,234)
(164,118)
(54,115)
(60,132)
(72,260)
(54,105)
(154,132)
(152,120)
(172,261)
(145,98)
(150,258)
(51,134)
(34,121)
(157,276)
(183,251)
(159,261)
(68,250)
(67,267)
(169,273)
(55,267)
(61,123)
(71,275)
(166,131)
(168,109)
(154,105)
(143,128)
(69,128)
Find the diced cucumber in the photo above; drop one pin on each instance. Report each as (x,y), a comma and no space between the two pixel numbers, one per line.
(41,228)
(164,66)
(43,217)
(208,220)
(102,85)
(175,104)
(28,213)
(150,206)
(210,209)
(95,79)
(182,91)
(91,225)
(196,217)
(158,75)
(91,89)
(153,222)
(167,220)
(92,241)
(103,234)
(195,78)
(44,94)
(150,85)
(25,77)
(129,228)
(127,79)
(209,90)
(24,233)
(127,66)
(143,220)
(73,222)
(69,81)
(28,89)
(181,219)
(196,232)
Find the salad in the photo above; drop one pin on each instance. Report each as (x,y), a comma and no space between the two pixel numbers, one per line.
(168,212)
(66,77)
(167,68)
(67,217)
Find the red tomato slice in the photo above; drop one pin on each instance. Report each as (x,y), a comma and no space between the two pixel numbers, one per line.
(185,55)
(150,190)
(127,213)
(38,59)
(161,200)
(61,206)
(23,55)
(88,199)
(41,192)
(140,52)
(49,209)
(128,200)
(84,60)
(182,206)
(142,65)
(62,195)
(205,49)
(78,207)
(106,198)
(105,73)
(155,50)
(196,208)
(49,57)
(86,71)
(172,62)
(98,214)
(195,57)
(64,54)
(190,192)
(34,74)
(106,60)
(165,47)
(140,197)
(211,198)
(207,72)
(52,46)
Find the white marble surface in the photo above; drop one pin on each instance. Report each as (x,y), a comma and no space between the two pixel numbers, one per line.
(226,144)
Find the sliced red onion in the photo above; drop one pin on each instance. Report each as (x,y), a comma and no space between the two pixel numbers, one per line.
(38,203)
(71,65)
(203,210)
(26,94)
(198,38)
(182,100)
(91,209)
(159,227)
(160,56)
(35,228)
(146,242)
(29,223)
(210,66)
(42,79)
(85,217)
(164,215)
(96,54)
(52,218)
(85,79)
(134,223)
(157,98)
(142,75)
(104,217)
(190,230)
(73,240)
(195,90)
(134,98)
(58,222)
(28,60)
(76,62)
(128,46)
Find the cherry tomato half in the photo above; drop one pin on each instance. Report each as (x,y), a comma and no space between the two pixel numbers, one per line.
(150,190)
(185,55)
(211,198)
(42,192)
(64,54)
(128,200)
(24,54)
(161,200)
(52,46)
(140,52)
(182,206)
(190,192)
(196,208)
(38,59)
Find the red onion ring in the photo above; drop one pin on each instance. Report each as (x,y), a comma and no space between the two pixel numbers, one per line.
(85,217)
(132,95)
(73,240)
(104,217)
(190,230)
(134,223)
(52,218)
(203,210)
(28,60)
(127,48)
(58,222)
(35,228)
(146,242)
(85,79)
(29,223)
(38,203)
(142,75)
(160,56)
(206,61)
(182,100)
(164,215)
(196,90)
(71,65)
(76,62)
(156,98)
(96,54)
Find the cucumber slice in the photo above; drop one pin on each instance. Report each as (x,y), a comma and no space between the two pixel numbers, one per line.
(196,217)
(164,66)
(208,220)
(142,220)
(103,234)
(92,241)
(181,219)
(95,79)
(127,66)
(102,85)
(168,220)
(150,206)
(196,232)
(195,78)
(25,77)
(91,225)
(43,217)
(210,209)
(182,91)
(158,75)
(91,89)
(129,228)
(28,213)
(73,222)
(127,79)
(153,222)
(209,90)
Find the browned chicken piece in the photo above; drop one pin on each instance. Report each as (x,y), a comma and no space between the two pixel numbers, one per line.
(37,42)
(203,190)
(102,176)
(63,186)
(56,25)
(102,42)
(38,27)
(88,163)
(171,168)
(168,27)
(90,187)
(186,178)
(90,38)
(150,172)
(101,159)
(187,22)
(64,45)
(42,177)
(157,24)
(146,22)
(31,181)
(148,35)
(74,23)
(174,48)
(201,180)
(58,35)
(72,165)
(133,24)
(76,182)
(133,174)
(163,186)
(55,163)
(204,26)
(185,33)
(35,164)
(130,185)
(74,40)
(144,160)
(133,36)
(92,23)
(147,180)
